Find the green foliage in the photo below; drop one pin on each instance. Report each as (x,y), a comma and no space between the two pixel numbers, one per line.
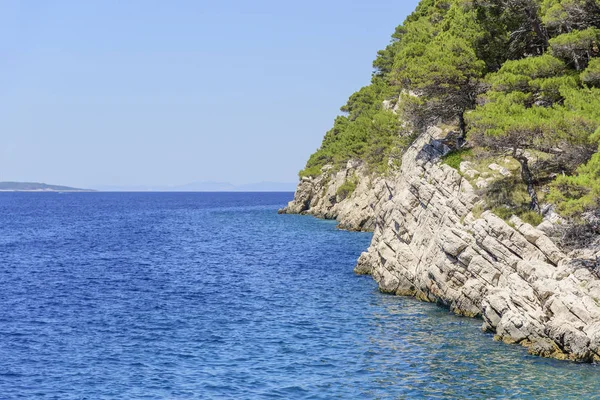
(507,197)
(579,193)
(477,210)
(439,62)
(531,217)
(367,99)
(526,215)
(536,103)
(576,47)
(521,77)
(312,171)
(544,66)
(373,136)
(454,158)
(347,188)
(542,77)
(528,36)
(384,62)
(591,76)
(566,15)
(503,212)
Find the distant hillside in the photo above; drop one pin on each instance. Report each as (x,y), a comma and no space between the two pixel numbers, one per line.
(267,187)
(36,187)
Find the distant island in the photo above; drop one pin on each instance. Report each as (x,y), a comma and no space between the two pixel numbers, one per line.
(37,187)
(190,187)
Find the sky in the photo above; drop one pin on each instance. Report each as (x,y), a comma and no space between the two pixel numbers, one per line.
(145,92)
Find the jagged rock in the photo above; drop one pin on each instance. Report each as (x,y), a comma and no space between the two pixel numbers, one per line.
(353,164)
(552,220)
(429,243)
(467,169)
(482,183)
(471,173)
(498,168)
(363,266)
(318,197)
(465,166)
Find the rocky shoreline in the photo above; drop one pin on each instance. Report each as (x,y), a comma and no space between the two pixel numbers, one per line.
(431,241)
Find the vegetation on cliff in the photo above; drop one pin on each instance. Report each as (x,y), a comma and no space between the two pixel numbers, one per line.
(517,78)
(368,131)
(347,188)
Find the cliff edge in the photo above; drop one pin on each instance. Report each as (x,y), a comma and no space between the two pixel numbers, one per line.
(356,210)
(432,241)
(474,152)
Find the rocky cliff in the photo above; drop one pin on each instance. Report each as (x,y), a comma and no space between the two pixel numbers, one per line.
(356,211)
(432,241)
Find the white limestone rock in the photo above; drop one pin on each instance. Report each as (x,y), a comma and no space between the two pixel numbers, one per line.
(525,288)
(500,169)
(429,243)
(482,183)
(466,166)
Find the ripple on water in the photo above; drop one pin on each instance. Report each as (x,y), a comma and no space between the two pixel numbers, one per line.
(216,296)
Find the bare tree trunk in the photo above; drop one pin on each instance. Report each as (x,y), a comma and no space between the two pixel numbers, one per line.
(539,31)
(462,125)
(528,179)
(533,17)
(576,60)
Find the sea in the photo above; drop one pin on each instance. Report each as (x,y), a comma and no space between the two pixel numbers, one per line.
(216,296)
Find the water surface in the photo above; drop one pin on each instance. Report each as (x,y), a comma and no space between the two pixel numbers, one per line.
(215,296)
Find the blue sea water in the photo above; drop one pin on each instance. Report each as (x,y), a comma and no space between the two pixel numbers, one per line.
(216,296)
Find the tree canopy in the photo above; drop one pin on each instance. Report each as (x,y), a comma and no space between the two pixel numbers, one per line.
(517,77)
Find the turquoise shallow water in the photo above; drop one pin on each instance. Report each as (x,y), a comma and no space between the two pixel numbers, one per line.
(193,296)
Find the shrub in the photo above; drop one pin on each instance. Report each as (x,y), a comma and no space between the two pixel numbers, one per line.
(310,171)
(591,76)
(531,217)
(579,193)
(454,158)
(504,212)
(477,210)
(347,188)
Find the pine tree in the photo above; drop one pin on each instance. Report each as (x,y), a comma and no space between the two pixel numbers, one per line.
(577,47)
(563,16)
(528,108)
(591,76)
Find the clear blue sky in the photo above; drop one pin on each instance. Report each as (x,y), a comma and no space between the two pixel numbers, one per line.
(143,92)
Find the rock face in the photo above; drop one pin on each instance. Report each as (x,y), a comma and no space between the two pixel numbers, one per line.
(319,197)
(432,241)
